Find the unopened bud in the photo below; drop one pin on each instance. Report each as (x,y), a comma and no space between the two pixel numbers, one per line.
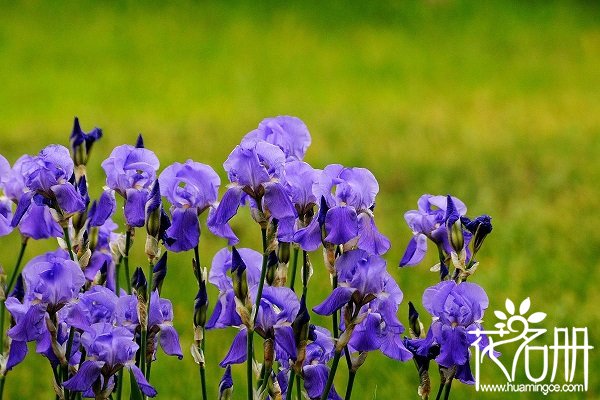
(238,275)
(415,325)
(153,208)
(200,306)
(159,272)
(283,252)
(139,283)
(226,385)
(457,239)
(272,263)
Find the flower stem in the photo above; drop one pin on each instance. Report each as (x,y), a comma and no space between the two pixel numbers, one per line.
(334,316)
(447,390)
(145,326)
(126,258)
(261,283)
(68,241)
(203,372)
(290,388)
(351,376)
(336,360)
(14,274)
(305,272)
(298,388)
(120,384)
(294,267)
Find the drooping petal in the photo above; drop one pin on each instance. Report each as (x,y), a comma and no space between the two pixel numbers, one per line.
(31,325)
(68,199)
(169,341)
(18,351)
(218,220)
(143,384)
(277,201)
(341,224)
(85,377)
(464,374)
(184,232)
(237,351)
(367,334)
(415,251)
(22,207)
(285,345)
(454,346)
(370,239)
(309,238)
(339,297)
(101,210)
(135,207)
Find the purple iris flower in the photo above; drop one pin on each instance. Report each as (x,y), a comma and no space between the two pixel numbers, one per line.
(315,371)
(429,222)
(48,178)
(52,281)
(254,170)
(290,134)
(37,222)
(373,295)
(191,188)
(109,348)
(160,322)
(298,180)
(225,314)
(348,201)
(456,310)
(277,310)
(130,171)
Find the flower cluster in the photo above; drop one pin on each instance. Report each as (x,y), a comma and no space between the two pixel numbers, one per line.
(92,318)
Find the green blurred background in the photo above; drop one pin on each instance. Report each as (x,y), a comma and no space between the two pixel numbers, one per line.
(497,103)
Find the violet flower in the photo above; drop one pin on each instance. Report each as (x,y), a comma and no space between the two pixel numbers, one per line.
(277,310)
(371,297)
(191,188)
(130,171)
(160,322)
(48,177)
(290,134)
(315,371)
(51,281)
(224,313)
(298,180)
(37,221)
(254,170)
(109,348)
(429,222)
(346,213)
(456,309)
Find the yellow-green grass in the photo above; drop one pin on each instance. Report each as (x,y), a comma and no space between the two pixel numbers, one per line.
(496,103)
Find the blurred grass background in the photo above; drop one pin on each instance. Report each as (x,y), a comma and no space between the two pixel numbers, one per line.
(495,102)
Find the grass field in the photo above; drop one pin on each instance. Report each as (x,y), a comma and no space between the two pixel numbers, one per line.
(497,103)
